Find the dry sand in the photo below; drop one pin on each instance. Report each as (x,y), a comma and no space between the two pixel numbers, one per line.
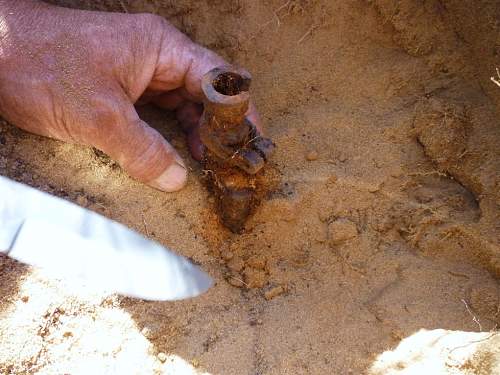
(378,252)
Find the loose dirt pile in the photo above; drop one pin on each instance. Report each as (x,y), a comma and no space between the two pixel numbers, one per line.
(377,251)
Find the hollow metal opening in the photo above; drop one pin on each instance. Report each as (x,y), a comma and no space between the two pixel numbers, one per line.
(230,84)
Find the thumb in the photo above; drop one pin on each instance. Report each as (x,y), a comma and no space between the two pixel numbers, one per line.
(139,149)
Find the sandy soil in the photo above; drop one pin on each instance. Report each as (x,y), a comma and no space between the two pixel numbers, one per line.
(378,252)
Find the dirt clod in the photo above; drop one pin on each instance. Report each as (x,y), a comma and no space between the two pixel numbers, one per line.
(274,292)
(254,278)
(236,264)
(442,129)
(257,261)
(312,155)
(227,255)
(236,280)
(341,230)
(82,200)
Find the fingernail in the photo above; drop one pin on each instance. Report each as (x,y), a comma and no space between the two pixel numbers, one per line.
(173,179)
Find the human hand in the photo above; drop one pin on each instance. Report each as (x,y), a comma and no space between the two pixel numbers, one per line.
(75,76)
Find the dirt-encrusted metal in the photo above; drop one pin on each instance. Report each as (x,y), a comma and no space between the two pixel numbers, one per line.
(235,150)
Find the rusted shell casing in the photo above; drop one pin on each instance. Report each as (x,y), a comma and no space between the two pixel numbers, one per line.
(226,95)
(235,151)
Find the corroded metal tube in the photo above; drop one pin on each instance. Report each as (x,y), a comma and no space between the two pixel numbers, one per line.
(235,151)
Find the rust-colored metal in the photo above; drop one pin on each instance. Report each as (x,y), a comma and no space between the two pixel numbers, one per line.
(235,151)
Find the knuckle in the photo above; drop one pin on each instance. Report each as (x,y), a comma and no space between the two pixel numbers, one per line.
(106,119)
(103,123)
(149,159)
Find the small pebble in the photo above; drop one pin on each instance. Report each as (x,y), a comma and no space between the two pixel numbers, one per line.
(341,230)
(227,255)
(274,292)
(25,299)
(332,179)
(373,188)
(68,334)
(312,155)
(82,200)
(162,357)
(146,332)
(150,331)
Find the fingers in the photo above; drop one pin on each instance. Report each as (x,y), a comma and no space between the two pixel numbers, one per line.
(255,118)
(139,149)
(196,147)
(180,68)
(188,113)
(182,65)
(170,100)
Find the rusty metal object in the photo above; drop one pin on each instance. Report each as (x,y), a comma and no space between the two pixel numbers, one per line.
(235,151)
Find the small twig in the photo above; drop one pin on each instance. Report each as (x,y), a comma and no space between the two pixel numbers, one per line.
(495,80)
(463,154)
(311,30)
(242,147)
(428,174)
(101,205)
(145,225)
(206,172)
(123,6)
(217,122)
(276,18)
(241,281)
(283,6)
(458,274)
(448,235)
(492,334)
(474,319)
